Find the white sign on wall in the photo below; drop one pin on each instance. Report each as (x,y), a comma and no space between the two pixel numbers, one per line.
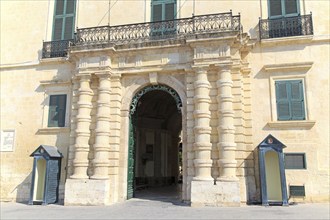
(7,140)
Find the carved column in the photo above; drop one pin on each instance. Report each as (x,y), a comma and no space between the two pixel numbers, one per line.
(226,129)
(102,137)
(80,162)
(202,129)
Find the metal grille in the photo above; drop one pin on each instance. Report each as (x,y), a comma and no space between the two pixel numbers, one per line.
(286,27)
(297,190)
(58,48)
(141,32)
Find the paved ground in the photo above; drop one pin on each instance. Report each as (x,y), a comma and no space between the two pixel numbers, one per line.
(161,206)
(149,209)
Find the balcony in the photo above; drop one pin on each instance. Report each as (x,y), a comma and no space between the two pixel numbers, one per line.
(203,26)
(52,49)
(286,27)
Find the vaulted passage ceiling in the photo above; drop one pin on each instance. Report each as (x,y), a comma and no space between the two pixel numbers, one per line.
(161,106)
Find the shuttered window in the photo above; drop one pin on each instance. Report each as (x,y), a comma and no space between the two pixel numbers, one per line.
(57,107)
(162,10)
(283,8)
(64,18)
(290,100)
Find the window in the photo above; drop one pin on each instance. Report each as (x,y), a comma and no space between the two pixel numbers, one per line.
(283,8)
(57,110)
(163,10)
(290,100)
(295,161)
(64,19)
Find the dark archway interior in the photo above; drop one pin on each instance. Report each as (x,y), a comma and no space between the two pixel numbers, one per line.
(158,144)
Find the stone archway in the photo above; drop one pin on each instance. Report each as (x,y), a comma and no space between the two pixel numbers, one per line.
(155,124)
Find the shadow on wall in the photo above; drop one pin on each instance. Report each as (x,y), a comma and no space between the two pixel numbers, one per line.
(251,173)
(23,190)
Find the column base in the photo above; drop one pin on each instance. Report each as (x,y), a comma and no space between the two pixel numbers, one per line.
(223,194)
(87,192)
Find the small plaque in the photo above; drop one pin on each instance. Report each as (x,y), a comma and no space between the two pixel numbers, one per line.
(7,140)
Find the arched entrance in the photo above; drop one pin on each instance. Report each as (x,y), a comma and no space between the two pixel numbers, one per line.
(154,153)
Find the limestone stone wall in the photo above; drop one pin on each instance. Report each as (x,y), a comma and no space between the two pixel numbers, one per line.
(24,108)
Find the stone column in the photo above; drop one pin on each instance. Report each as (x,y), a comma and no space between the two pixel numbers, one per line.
(202,129)
(102,137)
(80,162)
(226,129)
(73,124)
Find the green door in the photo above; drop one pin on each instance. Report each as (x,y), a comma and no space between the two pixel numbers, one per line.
(130,172)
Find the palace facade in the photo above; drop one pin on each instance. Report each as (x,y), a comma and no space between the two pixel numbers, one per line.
(152,93)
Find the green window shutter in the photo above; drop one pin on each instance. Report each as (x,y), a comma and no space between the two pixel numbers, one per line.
(57,108)
(283,8)
(297,100)
(290,100)
(291,7)
(163,10)
(275,8)
(157,13)
(169,11)
(64,18)
(282,101)
(58,23)
(59,9)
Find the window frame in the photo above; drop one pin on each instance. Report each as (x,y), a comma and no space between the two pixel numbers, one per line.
(288,83)
(283,14)
(56,88)
(49,124)
(64,16)
(296,153)
(163,3)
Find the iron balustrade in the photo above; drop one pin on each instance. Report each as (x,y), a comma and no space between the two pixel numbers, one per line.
(57,48)
(149,31)
(286,27)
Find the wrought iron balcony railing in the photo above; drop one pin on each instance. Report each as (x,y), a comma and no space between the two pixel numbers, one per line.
(150,31)
(286,27)
(58,48)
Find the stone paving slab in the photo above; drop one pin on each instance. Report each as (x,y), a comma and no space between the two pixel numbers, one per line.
(151,209)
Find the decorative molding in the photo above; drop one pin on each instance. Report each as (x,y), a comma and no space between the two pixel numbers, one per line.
(288,66)
(53,130)
(273,42)
(291,124)
(147,89)
(54,83)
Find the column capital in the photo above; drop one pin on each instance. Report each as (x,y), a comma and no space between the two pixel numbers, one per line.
(103,74)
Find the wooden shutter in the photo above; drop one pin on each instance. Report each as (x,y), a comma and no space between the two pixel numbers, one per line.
(275,8)
(282,101)
(297,100)
(64,19)
(157,13)
(291,7)
(169,11)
